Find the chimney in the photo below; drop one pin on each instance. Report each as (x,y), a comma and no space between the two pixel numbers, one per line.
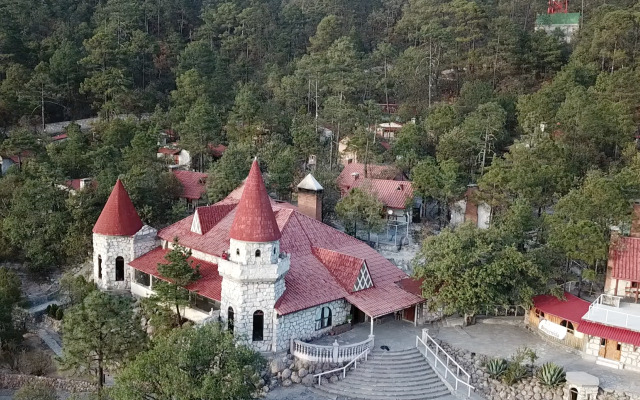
(635,220)
(355,175)
(310,197)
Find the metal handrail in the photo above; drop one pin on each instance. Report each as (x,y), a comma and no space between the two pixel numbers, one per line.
(344,369)
(447,370)
(607,311)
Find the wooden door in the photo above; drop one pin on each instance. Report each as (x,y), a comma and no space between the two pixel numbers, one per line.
(609,349)
(410,313)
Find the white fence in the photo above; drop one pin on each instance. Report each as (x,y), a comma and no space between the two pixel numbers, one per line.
(364,354)
(334,353)
(443,364)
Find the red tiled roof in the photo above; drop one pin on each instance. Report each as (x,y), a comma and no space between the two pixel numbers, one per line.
(210,216)
(572,309)
(343,267)
(119,217)
(193,184)
(624,256)
(393,194)
(217,151)
(609,332)
(254,221)
(59,137)
(411,285)
(209,284)
(169,151)
(345,179)
(16,159)
(308,282)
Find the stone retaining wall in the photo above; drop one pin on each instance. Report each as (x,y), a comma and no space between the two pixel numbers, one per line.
(527,389)
(16,381)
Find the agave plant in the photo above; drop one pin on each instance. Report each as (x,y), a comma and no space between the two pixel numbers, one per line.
(496,367)
(551,374)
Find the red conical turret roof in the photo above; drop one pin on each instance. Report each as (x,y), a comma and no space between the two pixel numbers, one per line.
(254,220)
(119,217)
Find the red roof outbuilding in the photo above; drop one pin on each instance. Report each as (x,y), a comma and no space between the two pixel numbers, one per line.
(624,258)
(119,217)
(572,308)
(254,220)
(193,184)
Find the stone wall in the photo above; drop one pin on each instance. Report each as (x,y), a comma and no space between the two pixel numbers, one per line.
(527,389)
(145,240)
(16,381)
(302,324)
(109,248)
(592,347)
(630,356)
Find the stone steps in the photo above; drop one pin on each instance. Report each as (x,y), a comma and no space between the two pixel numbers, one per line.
(401,375)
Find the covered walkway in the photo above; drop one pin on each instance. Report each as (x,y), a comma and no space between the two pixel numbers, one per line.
(395,334)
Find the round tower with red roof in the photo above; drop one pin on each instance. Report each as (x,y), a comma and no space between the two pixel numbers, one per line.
(253,275)
(118,237)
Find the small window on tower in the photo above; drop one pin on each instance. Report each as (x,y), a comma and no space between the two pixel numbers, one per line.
(257,253)
(237,252)
(99,267)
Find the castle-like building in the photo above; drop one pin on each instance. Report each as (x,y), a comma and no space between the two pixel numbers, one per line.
(270,271)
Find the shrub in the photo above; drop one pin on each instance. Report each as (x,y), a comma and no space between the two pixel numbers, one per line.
(515,370)
(496,367)
(35,391)
(59,314)
(35,362)
(551,374)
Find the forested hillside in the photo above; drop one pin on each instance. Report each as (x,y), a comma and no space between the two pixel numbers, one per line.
(263,76)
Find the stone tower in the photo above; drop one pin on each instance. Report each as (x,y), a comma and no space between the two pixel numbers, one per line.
(253,274)
(118,238)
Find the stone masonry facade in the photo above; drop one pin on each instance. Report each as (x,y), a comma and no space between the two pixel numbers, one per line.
(302,324)
(253,281)
(109,248)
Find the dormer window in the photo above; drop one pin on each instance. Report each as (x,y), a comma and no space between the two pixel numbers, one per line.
(257,253)
(364,279)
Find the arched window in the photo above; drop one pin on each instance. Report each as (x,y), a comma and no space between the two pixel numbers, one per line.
(258,326)
(230,319)
(99,266)
(119,269)
(257,253)
(568,325)
(323,318)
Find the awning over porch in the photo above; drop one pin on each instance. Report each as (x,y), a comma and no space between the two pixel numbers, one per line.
(378,301)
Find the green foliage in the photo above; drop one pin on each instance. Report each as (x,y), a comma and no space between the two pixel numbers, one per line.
(179,272)
(360,206)
(229,172)
(496,367)
(192,363)
(35,391)
(550,374)
(55,311)
(516,368)
(100,334)
(9,295)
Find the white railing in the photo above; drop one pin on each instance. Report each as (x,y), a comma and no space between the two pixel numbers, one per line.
(452,369)
(506,310)
(334,353)
(608,300)
(599,312)
(364,354)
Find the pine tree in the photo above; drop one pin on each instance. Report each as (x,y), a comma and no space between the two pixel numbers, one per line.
(100,334)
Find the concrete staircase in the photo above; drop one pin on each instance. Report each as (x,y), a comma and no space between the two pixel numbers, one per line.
(387,375)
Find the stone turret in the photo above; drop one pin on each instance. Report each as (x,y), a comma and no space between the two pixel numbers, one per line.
(253,275)
(119,237)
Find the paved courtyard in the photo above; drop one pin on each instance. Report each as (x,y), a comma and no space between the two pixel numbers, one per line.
(503,340)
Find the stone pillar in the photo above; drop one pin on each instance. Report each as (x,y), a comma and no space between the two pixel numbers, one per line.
(581,386)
